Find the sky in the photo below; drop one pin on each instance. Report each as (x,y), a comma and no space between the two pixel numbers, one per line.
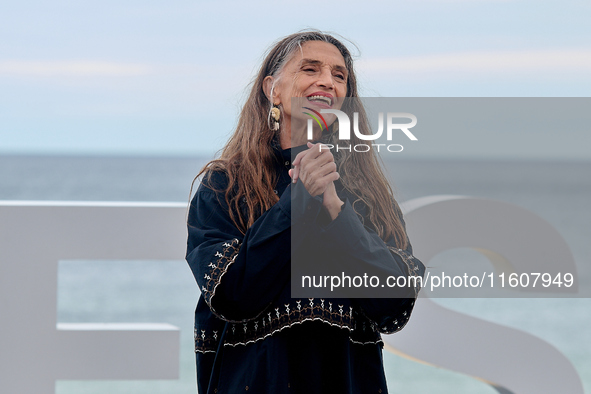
(168,78)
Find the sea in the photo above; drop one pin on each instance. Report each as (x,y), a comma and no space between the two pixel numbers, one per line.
(165,291)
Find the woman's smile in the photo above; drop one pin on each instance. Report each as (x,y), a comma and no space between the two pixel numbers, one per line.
(321,99)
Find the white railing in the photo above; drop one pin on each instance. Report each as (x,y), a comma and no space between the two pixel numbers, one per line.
(35,350)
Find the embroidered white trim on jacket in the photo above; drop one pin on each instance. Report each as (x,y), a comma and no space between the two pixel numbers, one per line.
(414,267)
(222,260)
(275,319)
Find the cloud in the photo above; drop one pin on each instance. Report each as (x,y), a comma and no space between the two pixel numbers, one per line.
(72,68)
(505,62)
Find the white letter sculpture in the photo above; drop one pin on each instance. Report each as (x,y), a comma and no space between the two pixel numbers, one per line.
(514,239)
(34,350)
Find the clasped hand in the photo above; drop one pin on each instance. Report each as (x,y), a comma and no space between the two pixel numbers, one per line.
(316,169)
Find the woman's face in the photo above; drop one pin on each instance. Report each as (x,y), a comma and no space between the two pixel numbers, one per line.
(319,75)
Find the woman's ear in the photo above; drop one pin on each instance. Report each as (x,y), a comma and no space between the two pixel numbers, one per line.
(267,87)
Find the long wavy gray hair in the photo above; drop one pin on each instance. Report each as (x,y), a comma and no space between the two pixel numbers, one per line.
(247,157)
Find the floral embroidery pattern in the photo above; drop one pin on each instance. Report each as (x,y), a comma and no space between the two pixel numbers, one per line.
(283,315)
(274,319)
(414,266)
(222,260)
(392,325)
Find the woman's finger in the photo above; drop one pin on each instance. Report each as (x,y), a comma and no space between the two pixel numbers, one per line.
(294,173)
(328,168)
(299,157)
(317,150)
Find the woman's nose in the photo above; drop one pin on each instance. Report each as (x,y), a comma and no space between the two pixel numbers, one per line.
(325,79)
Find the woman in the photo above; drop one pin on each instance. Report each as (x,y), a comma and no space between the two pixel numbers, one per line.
(250,335)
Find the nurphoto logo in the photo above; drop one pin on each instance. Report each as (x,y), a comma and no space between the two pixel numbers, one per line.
(345,129)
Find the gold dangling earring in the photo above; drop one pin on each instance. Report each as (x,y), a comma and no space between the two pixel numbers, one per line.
(275,116)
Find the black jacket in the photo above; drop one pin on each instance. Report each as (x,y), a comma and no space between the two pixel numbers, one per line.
(250,335)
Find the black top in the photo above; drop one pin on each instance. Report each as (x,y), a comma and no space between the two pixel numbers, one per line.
(250,335)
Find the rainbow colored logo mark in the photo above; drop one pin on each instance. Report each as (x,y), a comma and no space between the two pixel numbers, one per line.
(325,127)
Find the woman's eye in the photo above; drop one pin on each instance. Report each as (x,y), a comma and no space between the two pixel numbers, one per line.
(340,76)
(309,69)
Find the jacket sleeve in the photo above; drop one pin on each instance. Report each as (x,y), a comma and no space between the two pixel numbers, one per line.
(368,253)
(239,275)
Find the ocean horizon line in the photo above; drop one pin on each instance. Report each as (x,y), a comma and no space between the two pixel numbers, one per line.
(214,155)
